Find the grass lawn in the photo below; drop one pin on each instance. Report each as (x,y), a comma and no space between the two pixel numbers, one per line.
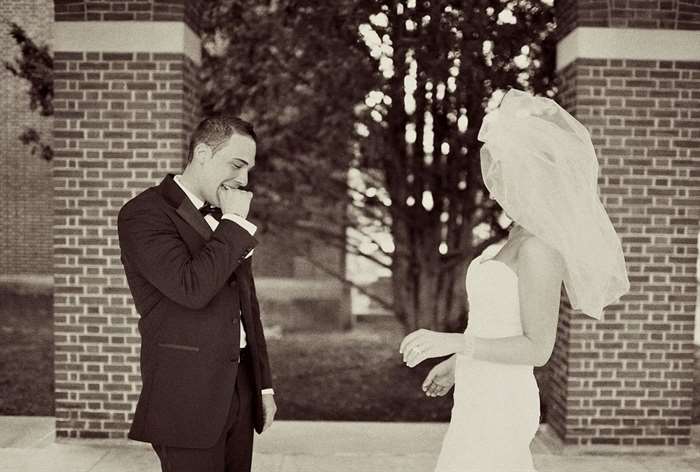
(350,376)
(26,352)
(354,376)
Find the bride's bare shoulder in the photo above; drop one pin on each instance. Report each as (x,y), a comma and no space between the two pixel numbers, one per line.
(534,251)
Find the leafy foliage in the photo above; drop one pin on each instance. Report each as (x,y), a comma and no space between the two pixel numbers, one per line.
(35,65)
(31,137)
(374,106)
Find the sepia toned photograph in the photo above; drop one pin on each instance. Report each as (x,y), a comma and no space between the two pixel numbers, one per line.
(350,235)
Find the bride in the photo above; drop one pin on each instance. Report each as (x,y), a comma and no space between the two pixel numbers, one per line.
(539,164)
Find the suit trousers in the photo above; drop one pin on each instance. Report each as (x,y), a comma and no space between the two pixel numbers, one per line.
(233,451)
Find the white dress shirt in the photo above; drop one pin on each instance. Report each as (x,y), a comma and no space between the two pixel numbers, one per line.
(213,223)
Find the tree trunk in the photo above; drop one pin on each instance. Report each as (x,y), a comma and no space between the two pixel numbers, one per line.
(428,293)
(430,300)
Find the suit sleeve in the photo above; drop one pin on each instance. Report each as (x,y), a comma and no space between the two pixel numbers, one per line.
(264,358)
(150,242)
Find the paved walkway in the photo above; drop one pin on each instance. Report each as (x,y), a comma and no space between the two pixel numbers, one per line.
(27,444)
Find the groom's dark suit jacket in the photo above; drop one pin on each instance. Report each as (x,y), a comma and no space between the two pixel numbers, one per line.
(191,286)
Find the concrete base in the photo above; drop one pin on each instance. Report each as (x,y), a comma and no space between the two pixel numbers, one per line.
(26,444)
(549,440)
(25,432)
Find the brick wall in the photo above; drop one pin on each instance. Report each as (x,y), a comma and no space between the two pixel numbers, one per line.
(25,179)
(628,379)
(122,121)
(129,10)
(656,14)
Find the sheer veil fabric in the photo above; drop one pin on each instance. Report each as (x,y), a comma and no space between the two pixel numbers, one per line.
(539,164)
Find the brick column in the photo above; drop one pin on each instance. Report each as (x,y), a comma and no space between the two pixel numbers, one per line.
(632,76)
(125,104)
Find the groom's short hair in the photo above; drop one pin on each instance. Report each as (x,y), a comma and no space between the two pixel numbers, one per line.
(215,130)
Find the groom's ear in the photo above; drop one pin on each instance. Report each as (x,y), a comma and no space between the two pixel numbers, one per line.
(202,153)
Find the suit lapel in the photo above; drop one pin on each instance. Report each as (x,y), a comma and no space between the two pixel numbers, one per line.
(174,195)
(191,215)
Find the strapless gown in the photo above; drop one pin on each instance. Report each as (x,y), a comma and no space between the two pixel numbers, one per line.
(496,408)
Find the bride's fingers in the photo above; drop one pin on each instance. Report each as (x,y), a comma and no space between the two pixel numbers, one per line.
(410,339)
(405,353)
(438,390)
(428,380)
(419,353)
(409,351)
(416,359)
(433,390)
(411,348)
(409,357)
(419,357)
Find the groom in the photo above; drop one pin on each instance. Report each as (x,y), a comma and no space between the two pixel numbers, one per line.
(186,247)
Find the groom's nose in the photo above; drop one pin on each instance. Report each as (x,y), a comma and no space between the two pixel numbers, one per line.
(241,179)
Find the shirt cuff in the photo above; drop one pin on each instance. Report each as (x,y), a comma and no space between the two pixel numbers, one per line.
(243,223)
(247,225)
(268,391)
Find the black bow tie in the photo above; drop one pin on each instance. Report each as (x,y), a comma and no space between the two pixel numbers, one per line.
(208,209)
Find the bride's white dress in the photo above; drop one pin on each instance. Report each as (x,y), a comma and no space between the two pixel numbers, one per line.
(496,406)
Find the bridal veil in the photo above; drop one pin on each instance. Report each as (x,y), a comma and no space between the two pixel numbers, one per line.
(539,164)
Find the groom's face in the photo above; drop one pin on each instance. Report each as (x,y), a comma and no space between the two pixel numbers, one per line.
(227,165)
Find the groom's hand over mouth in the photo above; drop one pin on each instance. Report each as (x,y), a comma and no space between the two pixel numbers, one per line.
(234,200)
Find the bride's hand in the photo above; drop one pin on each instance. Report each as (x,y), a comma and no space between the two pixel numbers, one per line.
(425,344)
(440,379)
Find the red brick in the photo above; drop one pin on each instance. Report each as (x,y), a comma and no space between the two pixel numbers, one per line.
(649,346)
(102,149)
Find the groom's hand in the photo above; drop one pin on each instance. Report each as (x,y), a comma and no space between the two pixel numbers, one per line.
(233,200)
(269,410)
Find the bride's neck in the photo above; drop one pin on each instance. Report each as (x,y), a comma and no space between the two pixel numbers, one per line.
(516,234)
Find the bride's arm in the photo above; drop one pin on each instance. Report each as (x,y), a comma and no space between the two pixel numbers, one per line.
(540,275)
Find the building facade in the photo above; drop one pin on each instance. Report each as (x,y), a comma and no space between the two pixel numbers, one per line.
(126,101)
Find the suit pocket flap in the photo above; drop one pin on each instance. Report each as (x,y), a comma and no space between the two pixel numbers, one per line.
(181,347)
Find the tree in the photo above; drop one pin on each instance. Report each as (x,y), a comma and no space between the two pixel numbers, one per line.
(35,65)
(375,106)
